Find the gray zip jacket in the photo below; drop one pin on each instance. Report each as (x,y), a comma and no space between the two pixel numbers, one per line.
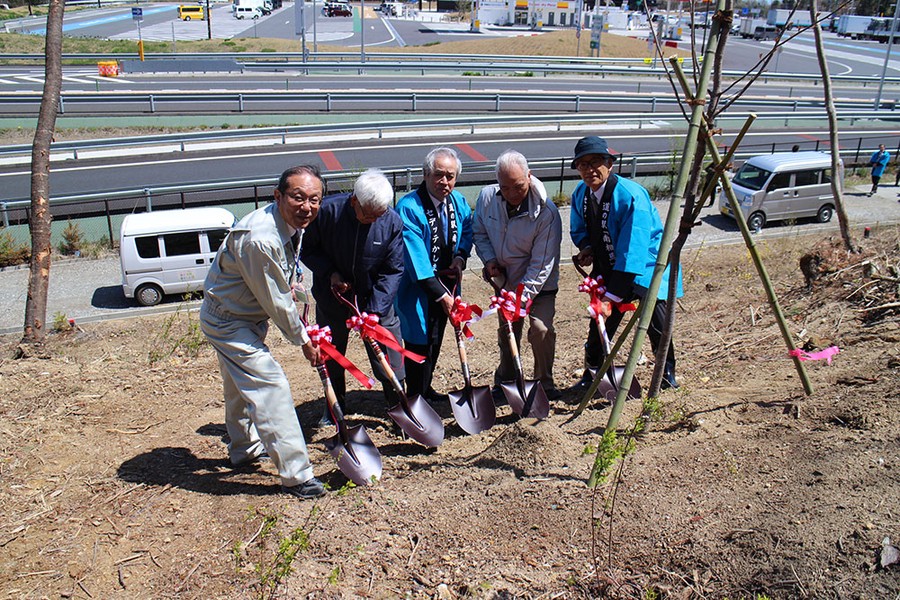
(526,246)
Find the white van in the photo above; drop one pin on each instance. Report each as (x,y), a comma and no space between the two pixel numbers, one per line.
(247,12)
(169,251)
(784,185)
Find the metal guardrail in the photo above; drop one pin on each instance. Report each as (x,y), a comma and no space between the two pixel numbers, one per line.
(340,61)
(182,142)
(548,169)
(27,103)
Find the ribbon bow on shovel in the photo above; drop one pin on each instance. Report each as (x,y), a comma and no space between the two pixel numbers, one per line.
(352,448)
(608,380)
(413,415)
(526,398)
(321,337)
(462,314)
(509,304)
(368,328)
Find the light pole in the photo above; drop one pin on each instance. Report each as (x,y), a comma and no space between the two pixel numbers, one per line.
(887,55)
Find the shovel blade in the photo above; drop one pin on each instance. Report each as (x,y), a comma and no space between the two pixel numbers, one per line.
(358,459)
(608,391)
(474,409)
(419,421)
(535,403)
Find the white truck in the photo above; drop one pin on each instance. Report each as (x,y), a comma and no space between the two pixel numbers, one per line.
(748,26)
(782,18)
(852,26)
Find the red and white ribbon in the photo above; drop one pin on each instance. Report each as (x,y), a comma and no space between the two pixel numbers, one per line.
(321,337)
(462,314)
(368,327)
(510,304)
(597,291)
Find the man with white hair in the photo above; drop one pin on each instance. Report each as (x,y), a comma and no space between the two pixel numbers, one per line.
(517,232)
(355,246)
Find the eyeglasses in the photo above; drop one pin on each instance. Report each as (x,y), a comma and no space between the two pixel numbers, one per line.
(301,198)
(584,165)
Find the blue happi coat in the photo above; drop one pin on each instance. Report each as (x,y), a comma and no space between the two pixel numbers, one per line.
(635,230)
(879,162)
(412,302)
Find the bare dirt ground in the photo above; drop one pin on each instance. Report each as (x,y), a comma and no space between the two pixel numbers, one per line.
(115,483)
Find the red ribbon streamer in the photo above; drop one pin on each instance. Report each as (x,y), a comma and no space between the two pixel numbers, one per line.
(321,337)
(462,313)
(368,327)
(597,291)
(510,304)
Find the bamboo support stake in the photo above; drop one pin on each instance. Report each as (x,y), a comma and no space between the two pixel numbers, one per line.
(751,247)
(672,221)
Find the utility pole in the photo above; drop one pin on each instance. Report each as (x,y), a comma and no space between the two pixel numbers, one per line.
(887,55)
(208,22)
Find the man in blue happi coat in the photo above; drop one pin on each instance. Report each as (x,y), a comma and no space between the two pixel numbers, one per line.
(437,236)
(617,231)
(355,247)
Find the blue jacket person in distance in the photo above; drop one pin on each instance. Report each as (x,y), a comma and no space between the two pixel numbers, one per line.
(617,230)
(878,162)
(437,236)
(355,246)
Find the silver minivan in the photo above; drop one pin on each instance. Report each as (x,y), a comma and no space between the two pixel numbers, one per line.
(784,185)
(169,251)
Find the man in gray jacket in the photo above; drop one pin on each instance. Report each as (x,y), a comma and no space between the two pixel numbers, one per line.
(517,232)
(251,281)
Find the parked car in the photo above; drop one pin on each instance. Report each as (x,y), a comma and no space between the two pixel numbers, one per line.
(337,9)
(784,185)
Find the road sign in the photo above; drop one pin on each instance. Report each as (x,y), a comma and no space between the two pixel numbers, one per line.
(137,14)
(596,30)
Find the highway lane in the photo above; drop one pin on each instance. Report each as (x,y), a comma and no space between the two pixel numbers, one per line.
(110,174)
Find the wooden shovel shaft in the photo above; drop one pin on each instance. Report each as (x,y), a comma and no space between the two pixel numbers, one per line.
(386,367)
(463,359)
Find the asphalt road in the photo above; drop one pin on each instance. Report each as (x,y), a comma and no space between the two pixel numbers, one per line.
(90,290)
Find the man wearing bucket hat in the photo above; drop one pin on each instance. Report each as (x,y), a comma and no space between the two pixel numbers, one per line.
(617,231)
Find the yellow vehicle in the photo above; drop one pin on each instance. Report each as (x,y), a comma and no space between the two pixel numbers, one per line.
(188,12)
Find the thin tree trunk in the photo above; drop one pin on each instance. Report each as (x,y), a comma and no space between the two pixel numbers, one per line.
(836,179)
(39,275)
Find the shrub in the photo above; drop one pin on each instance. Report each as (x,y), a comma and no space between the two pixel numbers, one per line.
(72,241)
(11,252)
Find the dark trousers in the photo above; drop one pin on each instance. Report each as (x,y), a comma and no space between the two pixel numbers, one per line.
(418,375)
(335,316)
(875,180)
(593,348)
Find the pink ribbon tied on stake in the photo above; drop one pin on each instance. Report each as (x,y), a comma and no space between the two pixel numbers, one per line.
(510,304)
(462,313)
(368,327)
(827,354)
(321,337)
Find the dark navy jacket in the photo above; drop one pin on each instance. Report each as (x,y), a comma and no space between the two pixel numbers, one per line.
(369,257)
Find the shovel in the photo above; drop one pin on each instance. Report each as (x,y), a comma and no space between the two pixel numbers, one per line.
(472,406)
(610,381)
(414,416)
(526,398)
(356,455)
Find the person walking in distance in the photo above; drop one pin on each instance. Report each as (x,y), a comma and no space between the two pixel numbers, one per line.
(878,162)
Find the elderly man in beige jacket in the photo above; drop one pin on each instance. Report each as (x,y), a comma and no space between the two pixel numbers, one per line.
(517,232)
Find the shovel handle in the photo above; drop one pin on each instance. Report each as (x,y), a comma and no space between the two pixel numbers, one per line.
(386,367)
